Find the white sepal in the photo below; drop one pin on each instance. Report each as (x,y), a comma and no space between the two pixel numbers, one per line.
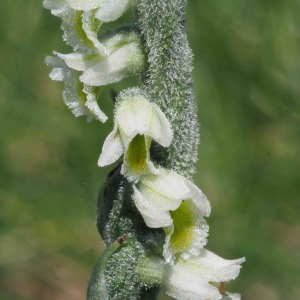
(79,61)
(112,149)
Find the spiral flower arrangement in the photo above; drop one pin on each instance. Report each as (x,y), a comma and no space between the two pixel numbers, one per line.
(150,214)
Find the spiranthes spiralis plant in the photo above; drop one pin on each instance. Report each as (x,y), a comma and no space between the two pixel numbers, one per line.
(150,214)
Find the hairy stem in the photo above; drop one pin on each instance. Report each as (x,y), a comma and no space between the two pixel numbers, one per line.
(169,80)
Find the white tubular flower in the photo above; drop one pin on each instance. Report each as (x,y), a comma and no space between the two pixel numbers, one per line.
(80,98)
(198,277)
(137,123)
(172,202)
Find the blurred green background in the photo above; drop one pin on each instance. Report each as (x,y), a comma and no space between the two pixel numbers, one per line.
(246,76)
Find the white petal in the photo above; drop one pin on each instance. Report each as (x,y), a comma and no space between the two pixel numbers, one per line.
(85,4)
(199,199)
(112,149)
(190,279)
(183,284)
(134,116)
(168,184)
(79,61)
(113,9)
(162,202)
(152,215)
(73,60)
(123,62)
(212,267)
(166,134)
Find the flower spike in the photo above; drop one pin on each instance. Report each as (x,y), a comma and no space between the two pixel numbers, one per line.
(137,123)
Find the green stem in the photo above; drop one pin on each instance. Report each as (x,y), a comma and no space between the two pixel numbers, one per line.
(97,286)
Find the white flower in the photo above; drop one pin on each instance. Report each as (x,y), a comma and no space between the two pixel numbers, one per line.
(123,57)
(80,98)
(137,123)
(197,277)
(171,201)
